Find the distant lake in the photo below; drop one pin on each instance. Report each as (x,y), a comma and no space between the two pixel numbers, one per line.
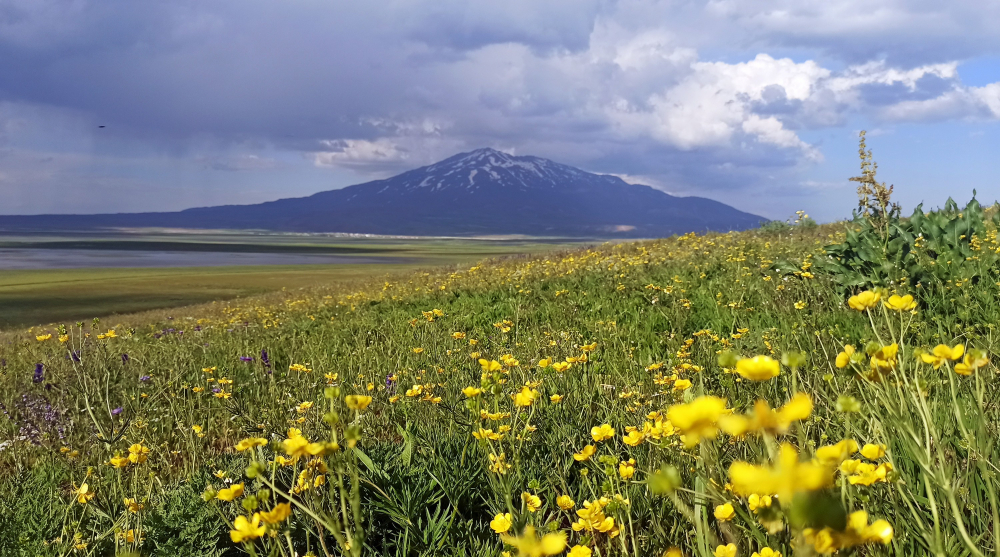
(32,258)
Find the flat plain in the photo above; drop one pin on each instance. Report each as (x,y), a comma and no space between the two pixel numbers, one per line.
(38,296)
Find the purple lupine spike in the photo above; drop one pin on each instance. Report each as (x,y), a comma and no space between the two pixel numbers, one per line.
(246,358)
(39,373)
(125,358)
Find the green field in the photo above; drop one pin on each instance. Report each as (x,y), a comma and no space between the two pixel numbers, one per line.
(797,390)
(30,297)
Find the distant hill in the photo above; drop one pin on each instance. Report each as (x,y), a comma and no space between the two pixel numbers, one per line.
(483,192)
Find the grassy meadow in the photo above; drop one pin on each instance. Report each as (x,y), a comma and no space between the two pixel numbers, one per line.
(723,395)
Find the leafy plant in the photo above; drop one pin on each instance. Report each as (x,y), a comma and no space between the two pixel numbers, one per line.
(924,251)
(181,524)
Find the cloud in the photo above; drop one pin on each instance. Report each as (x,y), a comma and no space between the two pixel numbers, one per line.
(237,163)
(975,103)
(710,97)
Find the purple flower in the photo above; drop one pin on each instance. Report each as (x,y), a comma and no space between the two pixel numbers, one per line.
(216,390)
(125,358)
(38,420)
(39,373)
(76,355)
(117,411)
(390,385)
(144,378)
(246,358)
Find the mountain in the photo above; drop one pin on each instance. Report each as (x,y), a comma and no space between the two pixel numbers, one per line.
(483,192)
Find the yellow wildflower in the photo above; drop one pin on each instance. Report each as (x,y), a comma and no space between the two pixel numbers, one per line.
(873,452)
(137,453)
(728,550)
(565,502)
(490,366)
(278,514)
(864,300)
(764,418)
(833,455)
(786,477)
(532,501)
(251,442)
(900,303)
(755,501)
(602,432)
(529,545)
(525,397)
(725,512)
(471,392)
(857,532)
(884,359)
(232,492)
(844,358)
(627,469)
(973,360)
(247,529)
(84,494)
(357,402)
(501,522)
(585,454)
(697,419)
(633,438)
(758,368)
(942,353)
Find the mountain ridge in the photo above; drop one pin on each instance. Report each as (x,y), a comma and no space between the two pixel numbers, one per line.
(480,192)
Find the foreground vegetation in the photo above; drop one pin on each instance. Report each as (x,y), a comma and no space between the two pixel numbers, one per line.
(735,394)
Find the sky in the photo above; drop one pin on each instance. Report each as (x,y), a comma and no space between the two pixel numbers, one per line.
(755,103)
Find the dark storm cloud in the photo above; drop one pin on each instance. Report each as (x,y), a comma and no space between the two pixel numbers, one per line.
(293,86)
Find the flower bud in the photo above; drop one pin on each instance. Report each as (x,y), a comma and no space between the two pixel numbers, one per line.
(255,469)
(208,494)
